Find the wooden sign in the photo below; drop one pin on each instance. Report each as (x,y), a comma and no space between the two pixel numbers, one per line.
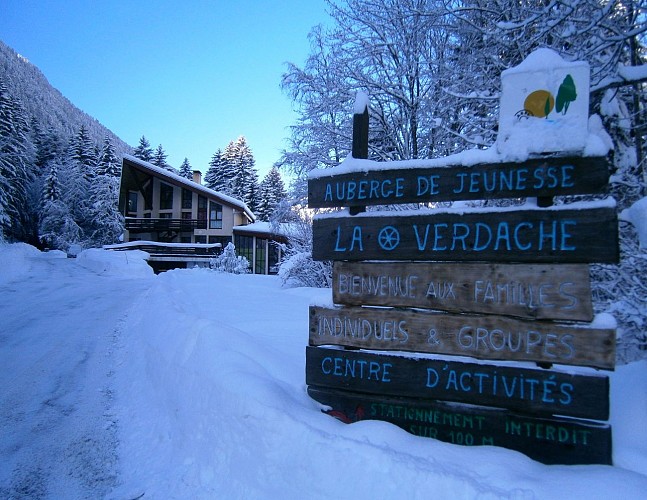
(522,235)
(547,440)
(533,178)
(540,291)
(481,337)
(515,388)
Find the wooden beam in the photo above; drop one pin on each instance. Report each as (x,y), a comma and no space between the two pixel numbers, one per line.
(538,291)
(544,392)
(559,235)
(545,177)
(486,337)
(547,440)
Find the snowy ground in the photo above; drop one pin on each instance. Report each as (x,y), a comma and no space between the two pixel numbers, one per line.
(118,384)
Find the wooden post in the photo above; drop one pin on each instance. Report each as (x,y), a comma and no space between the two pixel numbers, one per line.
(360,127)
(360,136)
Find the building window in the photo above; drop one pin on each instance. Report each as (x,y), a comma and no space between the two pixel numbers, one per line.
(200,238)
(223,240)
(148,195)
(166,196)
(245,247)
(260,255)
(273,258)
(132,202)
(187,199)
(166,215)
(202,208)
(215,215)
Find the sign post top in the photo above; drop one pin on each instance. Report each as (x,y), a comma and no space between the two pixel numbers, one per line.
(544,105)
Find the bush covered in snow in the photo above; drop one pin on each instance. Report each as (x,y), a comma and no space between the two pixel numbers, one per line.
(229,262)
(297,268)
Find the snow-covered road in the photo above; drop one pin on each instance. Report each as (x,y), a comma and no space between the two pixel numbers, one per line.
(57,333)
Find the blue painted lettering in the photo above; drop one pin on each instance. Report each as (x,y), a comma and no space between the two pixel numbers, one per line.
(428,185)
(357,238)
(503,234)
(527,246)
(432,377)
(460,237)
(328,195)
(482,242)
(438,237)
(461,186)
(421,243)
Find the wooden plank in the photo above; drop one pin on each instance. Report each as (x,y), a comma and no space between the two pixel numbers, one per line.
(481,337)
(540,291)
(551,176)
(547,440)
(559,235)
(547,392)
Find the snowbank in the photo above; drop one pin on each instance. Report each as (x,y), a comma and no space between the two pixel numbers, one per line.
(205,374)
(213,402)
(636,214)
(112,263)
(16,259)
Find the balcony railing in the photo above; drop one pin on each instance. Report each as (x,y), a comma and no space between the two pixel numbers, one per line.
(157,249)
(148,225)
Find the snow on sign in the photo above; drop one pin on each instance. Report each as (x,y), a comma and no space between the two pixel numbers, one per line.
(544,105)
(495,281)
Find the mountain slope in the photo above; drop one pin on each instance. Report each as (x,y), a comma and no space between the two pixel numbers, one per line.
(47,106)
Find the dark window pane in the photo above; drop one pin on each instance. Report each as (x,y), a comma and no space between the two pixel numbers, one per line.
(166,197)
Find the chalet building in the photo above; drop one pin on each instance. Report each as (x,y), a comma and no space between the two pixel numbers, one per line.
(182,223)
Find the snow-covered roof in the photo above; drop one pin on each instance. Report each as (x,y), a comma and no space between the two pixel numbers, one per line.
(262,228)
(178,179)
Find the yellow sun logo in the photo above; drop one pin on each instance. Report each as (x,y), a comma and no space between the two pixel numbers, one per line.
(540,103)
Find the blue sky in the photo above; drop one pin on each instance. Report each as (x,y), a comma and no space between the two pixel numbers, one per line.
(191,75)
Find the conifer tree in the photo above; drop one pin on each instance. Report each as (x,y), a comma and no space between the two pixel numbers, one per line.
(143,151)
(108,162)
(185,169)
(51,187)
(159,158)
(16,168)
(49,146)
(271,192)
(6,166)
(240,161)
(219,175)
(83,153)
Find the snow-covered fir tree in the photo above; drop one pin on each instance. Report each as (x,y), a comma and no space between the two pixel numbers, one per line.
(16,168)
(82,151)
(108,163)
(159,157)
(49,146)
(219,175)
(185,169)
(239,160)
(51,187)
(271,192)
(107,221)
(143,151)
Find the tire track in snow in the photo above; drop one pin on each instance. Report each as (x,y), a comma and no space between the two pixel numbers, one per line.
(60,327)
